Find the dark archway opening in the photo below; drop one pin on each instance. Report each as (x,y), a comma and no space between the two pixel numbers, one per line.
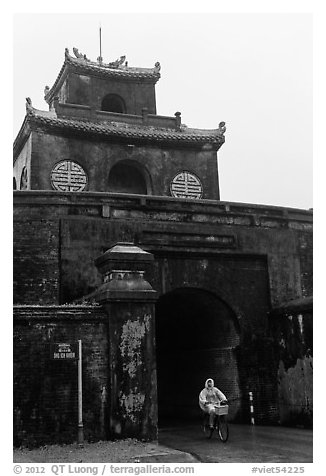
(126,177)
(113,103)
(196,337)
(14,184)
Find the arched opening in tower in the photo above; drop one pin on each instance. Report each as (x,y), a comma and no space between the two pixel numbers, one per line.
(196,337)
(126,177)
(113,103)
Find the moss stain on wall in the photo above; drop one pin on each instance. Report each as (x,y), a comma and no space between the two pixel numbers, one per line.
(132,404)
(132,335)
(296,391)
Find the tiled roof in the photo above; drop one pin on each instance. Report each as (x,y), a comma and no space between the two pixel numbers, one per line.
(132,131)
(84,66)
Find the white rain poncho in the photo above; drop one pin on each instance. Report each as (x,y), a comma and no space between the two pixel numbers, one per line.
(210,395)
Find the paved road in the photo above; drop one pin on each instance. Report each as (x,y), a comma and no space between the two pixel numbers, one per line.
(246,444)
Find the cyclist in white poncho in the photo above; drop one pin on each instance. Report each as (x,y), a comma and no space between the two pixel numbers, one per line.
(209,398)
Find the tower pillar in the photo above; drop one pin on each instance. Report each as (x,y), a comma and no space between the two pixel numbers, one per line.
(129,302)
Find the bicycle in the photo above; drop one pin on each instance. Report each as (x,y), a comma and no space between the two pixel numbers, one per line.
(220,423)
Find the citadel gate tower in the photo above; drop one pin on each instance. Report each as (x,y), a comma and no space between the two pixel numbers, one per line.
(121,240)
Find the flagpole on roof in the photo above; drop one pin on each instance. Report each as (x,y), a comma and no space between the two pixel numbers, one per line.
(100,59)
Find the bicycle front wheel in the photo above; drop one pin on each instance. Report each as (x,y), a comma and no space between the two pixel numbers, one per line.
(223,428)
(206,428)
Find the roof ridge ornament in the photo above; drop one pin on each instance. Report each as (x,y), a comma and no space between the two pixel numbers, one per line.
(29,106)
(79,55)
(222,128)
(117,63)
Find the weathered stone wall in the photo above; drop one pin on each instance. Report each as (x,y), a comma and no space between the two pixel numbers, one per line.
(292,326)
(91,90)
(133,386)
(45,391)
(98,158)
(36,265)
(60,235)
(305,245)
(23,160)
(258,374)
(119,373)
(252,258)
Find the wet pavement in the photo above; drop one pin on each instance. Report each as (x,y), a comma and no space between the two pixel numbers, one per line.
(246,444)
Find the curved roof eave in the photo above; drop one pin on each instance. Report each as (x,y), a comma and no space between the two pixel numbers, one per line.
(192,137)
(21,138)
(57,83)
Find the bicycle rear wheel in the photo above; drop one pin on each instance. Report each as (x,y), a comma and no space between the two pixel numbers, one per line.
(223,428)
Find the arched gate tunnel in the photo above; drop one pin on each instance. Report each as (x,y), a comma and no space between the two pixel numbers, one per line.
(196,334)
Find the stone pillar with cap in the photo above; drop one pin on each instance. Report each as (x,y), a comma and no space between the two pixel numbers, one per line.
(178,120)
(129,301)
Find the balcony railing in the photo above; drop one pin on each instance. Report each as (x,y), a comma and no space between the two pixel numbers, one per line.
(82,112)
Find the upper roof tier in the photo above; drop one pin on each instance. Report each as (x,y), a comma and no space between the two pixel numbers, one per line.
(111,100)
(118,69)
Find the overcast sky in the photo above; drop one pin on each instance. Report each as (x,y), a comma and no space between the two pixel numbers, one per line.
(253,71)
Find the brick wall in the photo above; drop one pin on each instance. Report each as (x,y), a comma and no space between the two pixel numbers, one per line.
(305,246)
(36,258)
(45,390)
(291,325)
(57,236)
(252,258)
(258,374)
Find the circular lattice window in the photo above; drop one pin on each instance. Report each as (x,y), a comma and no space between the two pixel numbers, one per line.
(186,185)
(68,176)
